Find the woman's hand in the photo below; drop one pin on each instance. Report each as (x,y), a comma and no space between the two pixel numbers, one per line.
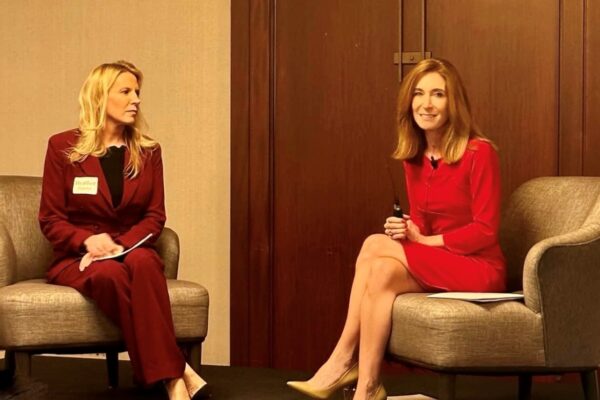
(402,228)
(413,233)
(101,245)
(395,227)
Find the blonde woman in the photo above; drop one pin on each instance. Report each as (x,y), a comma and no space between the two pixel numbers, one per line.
(448,243)
(102,192)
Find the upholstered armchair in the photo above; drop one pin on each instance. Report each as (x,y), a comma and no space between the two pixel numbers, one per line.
(551,238)
(37,317)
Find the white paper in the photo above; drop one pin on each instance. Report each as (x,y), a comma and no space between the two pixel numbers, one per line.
(478,297)
(88,259)
(124,251)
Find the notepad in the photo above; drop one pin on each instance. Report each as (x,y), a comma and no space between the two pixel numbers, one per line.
(478,297)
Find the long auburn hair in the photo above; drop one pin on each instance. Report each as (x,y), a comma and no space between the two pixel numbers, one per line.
(93,98)
(460,127)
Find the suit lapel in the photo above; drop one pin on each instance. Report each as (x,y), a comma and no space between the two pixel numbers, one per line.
(129,185)
(91,167)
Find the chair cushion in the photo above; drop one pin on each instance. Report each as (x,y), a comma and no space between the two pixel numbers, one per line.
(458,334)
(35,313)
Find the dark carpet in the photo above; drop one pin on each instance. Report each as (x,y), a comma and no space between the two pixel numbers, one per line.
(72,378)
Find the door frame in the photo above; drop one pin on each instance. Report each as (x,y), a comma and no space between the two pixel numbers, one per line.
(251,250)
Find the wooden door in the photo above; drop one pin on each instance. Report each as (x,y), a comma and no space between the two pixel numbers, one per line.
(313,98)
(335,89)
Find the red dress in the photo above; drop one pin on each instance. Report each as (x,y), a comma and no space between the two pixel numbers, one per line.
(460,201)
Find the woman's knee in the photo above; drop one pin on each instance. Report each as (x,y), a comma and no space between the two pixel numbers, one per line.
(374,245)
(109,275)
(143,258)
(386,273)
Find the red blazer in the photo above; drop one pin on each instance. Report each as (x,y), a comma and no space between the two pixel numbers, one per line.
(68,219)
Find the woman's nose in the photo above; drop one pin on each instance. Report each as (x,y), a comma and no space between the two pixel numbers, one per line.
(427,101)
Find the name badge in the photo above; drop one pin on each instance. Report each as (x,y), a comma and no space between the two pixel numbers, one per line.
(85,185)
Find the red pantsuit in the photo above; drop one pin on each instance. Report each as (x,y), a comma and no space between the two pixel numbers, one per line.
(132,292)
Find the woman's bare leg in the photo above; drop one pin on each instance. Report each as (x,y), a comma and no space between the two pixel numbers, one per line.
(343,355)
(177,390)
(389,277)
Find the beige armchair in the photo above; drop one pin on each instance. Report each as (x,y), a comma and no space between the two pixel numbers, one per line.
(37,317)
(551,238)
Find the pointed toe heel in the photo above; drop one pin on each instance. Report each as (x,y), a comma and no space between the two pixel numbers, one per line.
(380,394)
(349,377)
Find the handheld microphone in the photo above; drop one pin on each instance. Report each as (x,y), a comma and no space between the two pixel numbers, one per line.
(397,212)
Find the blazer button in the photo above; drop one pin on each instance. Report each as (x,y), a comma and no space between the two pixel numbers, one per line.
(96,228)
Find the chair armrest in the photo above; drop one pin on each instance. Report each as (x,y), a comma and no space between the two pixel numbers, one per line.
(167,247)
(8,258)
(573,243)
(561,280)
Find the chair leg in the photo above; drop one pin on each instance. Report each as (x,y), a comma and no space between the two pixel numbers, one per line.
(8,373)
(195,356)
(112,366)
(525,387)
(589,381)
(23,363)
(446,386)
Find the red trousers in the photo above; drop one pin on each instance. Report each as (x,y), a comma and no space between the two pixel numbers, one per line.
(133,294)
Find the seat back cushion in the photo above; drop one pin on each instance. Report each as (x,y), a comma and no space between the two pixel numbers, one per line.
(542,208)
(19,205)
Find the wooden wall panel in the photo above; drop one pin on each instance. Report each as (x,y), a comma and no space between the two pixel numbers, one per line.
(591,139)
(571,88)
(240,107)
(510,68)
(335,91)
(251,179)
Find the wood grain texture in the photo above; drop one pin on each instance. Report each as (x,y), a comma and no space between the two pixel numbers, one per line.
(240,165)
(334,128)
(251,184)
(510,68)
(571,88)
(591,137)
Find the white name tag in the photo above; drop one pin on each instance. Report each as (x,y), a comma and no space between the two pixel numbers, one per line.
(85,185)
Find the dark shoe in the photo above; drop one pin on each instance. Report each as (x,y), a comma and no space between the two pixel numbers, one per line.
(204,392)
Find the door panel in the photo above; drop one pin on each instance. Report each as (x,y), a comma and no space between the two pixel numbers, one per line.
(509,66)
(591,160)
(335,89)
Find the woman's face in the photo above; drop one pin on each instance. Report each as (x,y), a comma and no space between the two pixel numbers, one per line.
(123,100)
(430,103)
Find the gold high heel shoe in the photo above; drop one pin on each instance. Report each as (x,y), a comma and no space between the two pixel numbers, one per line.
(380,394)
(346,379)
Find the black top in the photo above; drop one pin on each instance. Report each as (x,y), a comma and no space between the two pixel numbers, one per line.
(113,163)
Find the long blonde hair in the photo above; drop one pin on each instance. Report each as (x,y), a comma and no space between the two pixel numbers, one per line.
(460,126)
(93,98)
